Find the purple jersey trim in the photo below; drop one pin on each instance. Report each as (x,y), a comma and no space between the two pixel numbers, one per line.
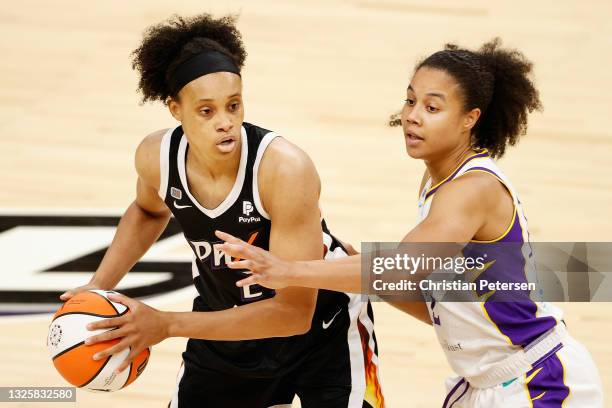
(454,173)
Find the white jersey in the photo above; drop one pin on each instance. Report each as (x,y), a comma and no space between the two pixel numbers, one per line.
(477,335)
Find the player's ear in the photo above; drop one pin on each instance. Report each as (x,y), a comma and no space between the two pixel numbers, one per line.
(175,109)
(470,119)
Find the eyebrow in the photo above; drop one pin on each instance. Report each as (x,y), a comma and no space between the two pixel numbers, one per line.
(435,94)
(211,100)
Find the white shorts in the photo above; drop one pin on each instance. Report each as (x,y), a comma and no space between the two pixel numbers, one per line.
(567,378)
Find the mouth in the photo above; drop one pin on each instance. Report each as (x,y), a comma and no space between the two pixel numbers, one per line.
(413,136)
(226,144)
(412,139)
(226,141)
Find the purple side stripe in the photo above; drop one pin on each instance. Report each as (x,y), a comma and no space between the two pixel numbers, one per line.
(467,386)
(449,178)
(450,394)
(550,382)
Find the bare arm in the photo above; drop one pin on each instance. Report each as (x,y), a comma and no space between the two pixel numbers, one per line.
(139,227)
(457,213)
(343,275)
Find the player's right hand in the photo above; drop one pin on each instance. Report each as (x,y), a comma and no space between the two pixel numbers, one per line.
(70,293)
(266,269)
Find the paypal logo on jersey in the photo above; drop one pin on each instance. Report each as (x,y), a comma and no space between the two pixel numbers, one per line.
(247,209)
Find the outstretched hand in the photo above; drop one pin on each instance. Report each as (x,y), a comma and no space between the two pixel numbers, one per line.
(266,269)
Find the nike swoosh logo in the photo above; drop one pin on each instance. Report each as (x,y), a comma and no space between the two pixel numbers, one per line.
(326,325)
(180,207)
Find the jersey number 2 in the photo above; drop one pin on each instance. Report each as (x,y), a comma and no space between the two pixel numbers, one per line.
(249,292)
(252,292)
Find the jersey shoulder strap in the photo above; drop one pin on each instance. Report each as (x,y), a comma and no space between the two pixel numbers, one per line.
(168,152)
(259,139)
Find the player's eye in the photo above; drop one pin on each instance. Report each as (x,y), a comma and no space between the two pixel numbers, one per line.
(234,106)
(206,111)
(432,109)
(409,102)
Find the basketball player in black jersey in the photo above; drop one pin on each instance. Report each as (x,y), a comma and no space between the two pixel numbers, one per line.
(216,172)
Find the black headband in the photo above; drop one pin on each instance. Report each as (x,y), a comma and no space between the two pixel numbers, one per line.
(201,64)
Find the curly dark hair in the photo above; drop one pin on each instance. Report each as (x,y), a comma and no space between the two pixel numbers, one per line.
(167,44)
(496,80)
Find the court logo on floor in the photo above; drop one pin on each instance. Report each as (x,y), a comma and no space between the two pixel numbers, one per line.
(45,255)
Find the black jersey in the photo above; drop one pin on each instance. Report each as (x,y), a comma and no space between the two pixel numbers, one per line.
(242,215)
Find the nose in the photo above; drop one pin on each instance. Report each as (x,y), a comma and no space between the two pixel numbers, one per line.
(410,115)
(224,124)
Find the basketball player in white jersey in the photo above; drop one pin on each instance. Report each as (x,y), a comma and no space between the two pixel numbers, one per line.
(462,109)
(216,171)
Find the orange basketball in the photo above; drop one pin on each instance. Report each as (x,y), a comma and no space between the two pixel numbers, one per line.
(74,360)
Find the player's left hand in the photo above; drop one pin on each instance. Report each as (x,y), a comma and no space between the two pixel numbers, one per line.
(141,327)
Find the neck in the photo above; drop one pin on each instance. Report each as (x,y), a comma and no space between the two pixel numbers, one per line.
(439,169)
(214,165)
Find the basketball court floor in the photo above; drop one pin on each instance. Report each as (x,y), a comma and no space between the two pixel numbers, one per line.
(326,75)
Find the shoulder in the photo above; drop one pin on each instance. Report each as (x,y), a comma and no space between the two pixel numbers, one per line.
(472,191)
(147,157)
(476,181)
(286,172)
(285,161)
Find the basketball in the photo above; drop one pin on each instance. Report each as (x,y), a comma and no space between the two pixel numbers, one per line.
(74,360)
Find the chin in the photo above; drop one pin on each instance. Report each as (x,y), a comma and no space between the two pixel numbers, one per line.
(415,153)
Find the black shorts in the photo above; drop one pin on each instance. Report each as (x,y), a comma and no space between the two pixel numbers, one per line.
(339,372)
